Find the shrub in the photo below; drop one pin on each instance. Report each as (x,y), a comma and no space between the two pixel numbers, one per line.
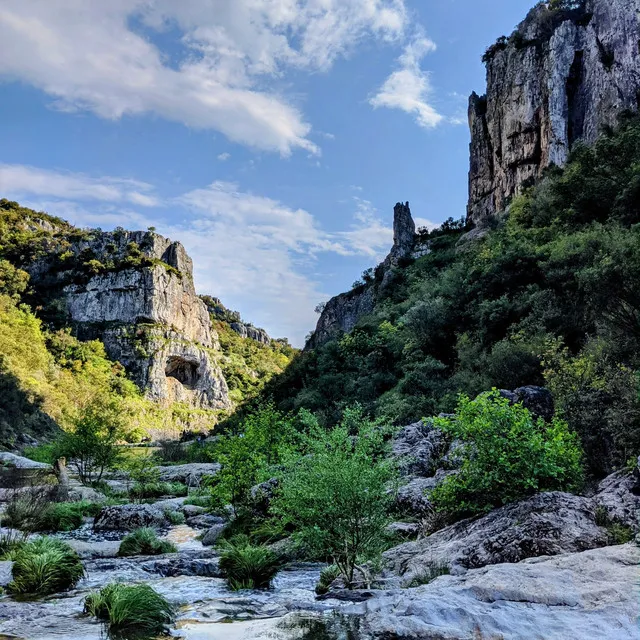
(507,455)
(198,501)
(144,542)
(336,499)
(130,610)
(327,576)
(45,566)
(246,566)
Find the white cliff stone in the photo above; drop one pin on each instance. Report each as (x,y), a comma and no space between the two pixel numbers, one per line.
(558,80)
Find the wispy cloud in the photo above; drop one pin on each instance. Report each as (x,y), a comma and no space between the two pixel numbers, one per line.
(224,156)
(409,87)
(104,57)
(254,252)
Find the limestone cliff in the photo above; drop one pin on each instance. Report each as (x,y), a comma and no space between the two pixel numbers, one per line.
(566,72)
(342,312)
(134,291)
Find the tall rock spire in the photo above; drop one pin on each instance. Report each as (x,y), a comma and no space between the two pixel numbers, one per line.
(404,231)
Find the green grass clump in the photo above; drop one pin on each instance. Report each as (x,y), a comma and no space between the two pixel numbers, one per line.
(65,516)
(246,566)
(199,501)
(144,542)
(45,566)
(10,544)
(175,517)
(135,610)
(145,491)
(327,576)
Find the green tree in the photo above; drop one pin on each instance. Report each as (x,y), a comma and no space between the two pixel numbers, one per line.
(507,455)
(336,497)
(91,446)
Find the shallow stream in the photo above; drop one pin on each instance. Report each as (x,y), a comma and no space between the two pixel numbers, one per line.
(208,609)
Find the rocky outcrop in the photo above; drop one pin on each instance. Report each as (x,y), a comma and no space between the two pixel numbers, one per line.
(560,77)
(544,525)
(538,400)
(245,330)
(581,596)
(190,474)
(619,495)
(134,291)
(127,517)
(342,312)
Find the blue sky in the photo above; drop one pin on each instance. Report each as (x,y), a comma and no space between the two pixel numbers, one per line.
(271,137)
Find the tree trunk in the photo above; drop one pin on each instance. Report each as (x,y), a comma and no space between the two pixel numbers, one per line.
(60,469)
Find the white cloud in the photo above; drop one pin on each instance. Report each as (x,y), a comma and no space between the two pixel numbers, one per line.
(74,186)
(224,156)
(253,252)
(219,72)
(409,88)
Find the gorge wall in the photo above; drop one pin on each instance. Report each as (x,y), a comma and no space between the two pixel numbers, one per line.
(567,71)
(135,292)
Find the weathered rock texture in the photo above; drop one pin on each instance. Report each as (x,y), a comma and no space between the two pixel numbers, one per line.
(134,291)
(581,596)
(127,517)
(545,524)
(342,312)
(557,80)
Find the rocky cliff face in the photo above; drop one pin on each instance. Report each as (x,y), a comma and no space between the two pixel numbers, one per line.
(558,79)
(342,312)
(134,291)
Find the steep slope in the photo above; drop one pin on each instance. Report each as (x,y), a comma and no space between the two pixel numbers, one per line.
(547,297)
(566,71)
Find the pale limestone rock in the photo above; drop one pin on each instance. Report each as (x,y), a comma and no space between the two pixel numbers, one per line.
(558,81)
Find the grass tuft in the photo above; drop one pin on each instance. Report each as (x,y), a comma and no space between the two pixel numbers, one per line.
(327,576)
(144,542)
(45,566)
(130,610)
(246,566)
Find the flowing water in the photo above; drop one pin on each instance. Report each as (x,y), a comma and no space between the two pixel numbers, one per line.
(208,609)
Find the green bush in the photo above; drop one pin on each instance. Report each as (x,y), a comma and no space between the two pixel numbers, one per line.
(507,455)
(10,544)
(144,542)
(24,510)
(246,566)
(45,566)
(337,498)
(131,611)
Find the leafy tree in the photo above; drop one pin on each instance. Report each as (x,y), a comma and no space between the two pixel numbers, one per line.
(91,446)
(336,497)
(507,455)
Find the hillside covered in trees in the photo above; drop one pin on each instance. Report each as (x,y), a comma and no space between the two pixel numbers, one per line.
(547,296)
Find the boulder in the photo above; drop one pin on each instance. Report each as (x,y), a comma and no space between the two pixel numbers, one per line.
(127,517)
(204,521)
(212,535)
(619,495)
(545,524)
(5,572)
(190,474)
(577,596)
(192,510)
(418,448)
(538,400)
(11,460)
(412,498)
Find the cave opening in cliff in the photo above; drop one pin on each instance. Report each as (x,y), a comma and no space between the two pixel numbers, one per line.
(185,372)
